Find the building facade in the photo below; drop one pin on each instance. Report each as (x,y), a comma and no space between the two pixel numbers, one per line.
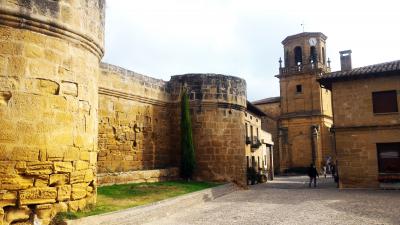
(259,144)
(303,112)
(366,123)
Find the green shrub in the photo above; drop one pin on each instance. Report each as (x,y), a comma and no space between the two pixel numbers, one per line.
(188,161)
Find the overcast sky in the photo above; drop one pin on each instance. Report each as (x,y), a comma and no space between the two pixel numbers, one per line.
(160,38)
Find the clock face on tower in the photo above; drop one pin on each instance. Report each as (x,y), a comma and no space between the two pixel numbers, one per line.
(312,41)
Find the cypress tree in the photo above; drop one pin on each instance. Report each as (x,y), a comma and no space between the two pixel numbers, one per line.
(188,161)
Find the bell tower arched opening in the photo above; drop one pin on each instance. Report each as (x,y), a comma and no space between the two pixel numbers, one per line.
(298,55)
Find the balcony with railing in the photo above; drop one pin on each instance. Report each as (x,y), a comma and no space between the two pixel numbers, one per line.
(255,143)
(316,67)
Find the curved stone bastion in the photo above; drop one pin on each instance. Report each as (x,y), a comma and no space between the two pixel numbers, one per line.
(49,63)
(217,106)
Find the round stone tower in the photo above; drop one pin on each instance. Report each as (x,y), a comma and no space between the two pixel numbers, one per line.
(49,61)
(217,105)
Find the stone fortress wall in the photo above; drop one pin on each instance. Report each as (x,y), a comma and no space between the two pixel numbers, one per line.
(49,62)
(136,131)
(139,131)
(64,117)
(217,105)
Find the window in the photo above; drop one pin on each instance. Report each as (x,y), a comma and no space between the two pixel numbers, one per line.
(257,133)
(313,54)
(299,88)
(384,101)
(251,133)
(388,157)
(298,56)
(247,132)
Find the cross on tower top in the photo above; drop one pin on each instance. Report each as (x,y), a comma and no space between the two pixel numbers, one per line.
(303,25)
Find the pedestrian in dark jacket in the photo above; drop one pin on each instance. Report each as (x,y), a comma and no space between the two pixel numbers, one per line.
(313,174)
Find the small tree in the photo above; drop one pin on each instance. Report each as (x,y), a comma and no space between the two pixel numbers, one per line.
(188,161)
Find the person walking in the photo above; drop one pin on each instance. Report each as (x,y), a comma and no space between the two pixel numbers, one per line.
(313,174)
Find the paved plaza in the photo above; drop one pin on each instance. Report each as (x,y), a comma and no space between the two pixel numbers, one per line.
(289,200)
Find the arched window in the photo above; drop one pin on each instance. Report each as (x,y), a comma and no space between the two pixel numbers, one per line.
(313,54)
(323,55)
(298,55)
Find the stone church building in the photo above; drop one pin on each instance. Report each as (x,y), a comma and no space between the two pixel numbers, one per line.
(301,117)
(350,117)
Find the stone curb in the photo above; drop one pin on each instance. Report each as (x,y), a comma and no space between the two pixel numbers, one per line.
(156,210)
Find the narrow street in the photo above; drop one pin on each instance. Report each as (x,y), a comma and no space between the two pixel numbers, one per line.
(289,200)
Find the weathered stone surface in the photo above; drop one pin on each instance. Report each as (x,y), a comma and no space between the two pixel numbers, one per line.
(78,176)
(7,168)
(8,198)
(24,154)
(55,153)
(39,168)
(61,207)
(43,70)
(63,167)
(17,214)
(77,205)
(63,192)
(58,179)
(14,182)
(70,88)
(37,196)
(79,191)
(81,165)
(138,176)
(1,216)
(72,154)
(89,175)
(42,181)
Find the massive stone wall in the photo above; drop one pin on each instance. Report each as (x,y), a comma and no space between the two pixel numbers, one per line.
(49,62)
(217,109)
(50,112)
(139,124)
(135,126)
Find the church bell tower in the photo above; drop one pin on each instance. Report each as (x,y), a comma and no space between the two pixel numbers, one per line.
(306,114)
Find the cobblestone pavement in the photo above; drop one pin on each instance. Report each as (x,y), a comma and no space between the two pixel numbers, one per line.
(288,200)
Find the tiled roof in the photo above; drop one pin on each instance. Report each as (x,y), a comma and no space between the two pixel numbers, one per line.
(382,69)
(303,34)
(267,100)
(252,108)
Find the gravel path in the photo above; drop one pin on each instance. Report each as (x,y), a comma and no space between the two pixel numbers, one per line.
(288,200)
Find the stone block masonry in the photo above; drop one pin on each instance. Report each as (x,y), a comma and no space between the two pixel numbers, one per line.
(49,62)
(135,128)
(217,108)
(138,176)
(64,117)
(139,124)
